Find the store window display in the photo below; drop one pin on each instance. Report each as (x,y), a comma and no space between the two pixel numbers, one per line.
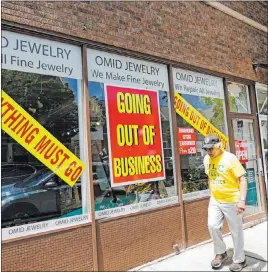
(34,197)
(262,102)
(133,75)
(238,95)
(245,136)
(204,104)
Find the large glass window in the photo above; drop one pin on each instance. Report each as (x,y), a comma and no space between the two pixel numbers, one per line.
(245,146)
(34,197)
(136,76)
(262,98)
(200,100)
(262,101)
(238,96)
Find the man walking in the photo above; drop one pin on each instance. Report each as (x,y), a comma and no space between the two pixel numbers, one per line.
(228,187)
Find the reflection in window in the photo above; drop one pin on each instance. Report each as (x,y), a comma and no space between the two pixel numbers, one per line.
(244,135)
(264,133)
(193,174)
(27,198)
(262,99)
(105,196)
(238,96)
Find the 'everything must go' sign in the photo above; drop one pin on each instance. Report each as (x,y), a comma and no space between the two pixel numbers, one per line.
(134,135)
(24,129)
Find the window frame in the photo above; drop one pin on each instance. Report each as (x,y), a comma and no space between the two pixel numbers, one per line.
(248,95)
(50,37)
(253,116)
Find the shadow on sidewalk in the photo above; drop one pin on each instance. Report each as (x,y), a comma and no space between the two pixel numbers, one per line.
(255,262)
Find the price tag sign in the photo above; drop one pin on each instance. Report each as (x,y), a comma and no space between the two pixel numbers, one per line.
(187,141)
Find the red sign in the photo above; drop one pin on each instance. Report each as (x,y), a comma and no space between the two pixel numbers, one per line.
(134,135)
(187,141)
(241,148)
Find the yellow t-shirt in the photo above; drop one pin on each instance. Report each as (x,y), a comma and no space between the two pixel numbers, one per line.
(223,176)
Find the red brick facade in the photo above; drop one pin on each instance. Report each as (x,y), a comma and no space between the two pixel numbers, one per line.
(256,10)
(187,32)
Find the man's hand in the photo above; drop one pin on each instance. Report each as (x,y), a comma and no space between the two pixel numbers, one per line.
(240,207)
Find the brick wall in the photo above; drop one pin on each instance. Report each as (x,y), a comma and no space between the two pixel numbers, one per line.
(188,32)
(64,251)
(123,243)
(255,10)
(127,243)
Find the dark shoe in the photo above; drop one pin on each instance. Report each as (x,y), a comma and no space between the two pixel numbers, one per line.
(238,266)
(218,260)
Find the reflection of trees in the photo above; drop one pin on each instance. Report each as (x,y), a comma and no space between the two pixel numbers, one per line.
(193,180)
(218,117)
(232,103)
(47,98)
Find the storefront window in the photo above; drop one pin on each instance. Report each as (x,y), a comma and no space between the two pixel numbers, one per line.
(262,101)
(238,96)
(262,98)
(125,173)
(245,147)
(264,139)
(42,133)
(200,108)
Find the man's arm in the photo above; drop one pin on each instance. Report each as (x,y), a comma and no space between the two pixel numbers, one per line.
(243,194)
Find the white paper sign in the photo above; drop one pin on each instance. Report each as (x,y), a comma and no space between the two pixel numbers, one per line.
(36,55)
(29,229)
(124,71)
(188,82)
(197,194)
(137,207)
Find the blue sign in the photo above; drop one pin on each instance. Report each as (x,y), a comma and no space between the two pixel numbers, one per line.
(252,191)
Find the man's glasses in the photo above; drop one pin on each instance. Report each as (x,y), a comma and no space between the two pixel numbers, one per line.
(208,149)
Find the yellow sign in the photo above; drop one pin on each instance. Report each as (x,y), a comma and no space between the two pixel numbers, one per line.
(23,128)
(197,120)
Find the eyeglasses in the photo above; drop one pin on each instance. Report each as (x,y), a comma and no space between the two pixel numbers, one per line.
(208,149)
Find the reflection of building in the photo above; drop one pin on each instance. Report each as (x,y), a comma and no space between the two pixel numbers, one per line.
(74,146)
(97,120)
(95,109)
(165,33)
(164,115)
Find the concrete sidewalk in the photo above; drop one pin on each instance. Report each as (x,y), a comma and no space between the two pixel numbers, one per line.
(199,258)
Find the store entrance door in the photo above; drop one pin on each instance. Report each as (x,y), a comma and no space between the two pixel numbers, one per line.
(246,151)
(264,138)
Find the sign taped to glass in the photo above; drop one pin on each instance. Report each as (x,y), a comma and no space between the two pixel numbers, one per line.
(124,71)
(135,136)
(187,141)
(24,129)
(36,55)
(197,120)
(241,148)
